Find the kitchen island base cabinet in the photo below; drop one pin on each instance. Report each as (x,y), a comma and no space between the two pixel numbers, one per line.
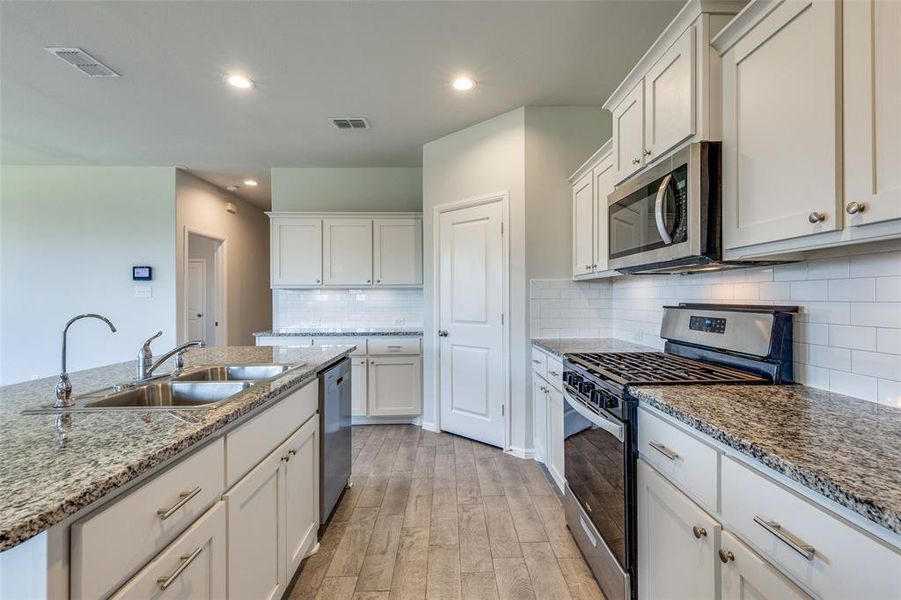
(394,385)
(676,542)
(265,543)
(193,566)
(746,576)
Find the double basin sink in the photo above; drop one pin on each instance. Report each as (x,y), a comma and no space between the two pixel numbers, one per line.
(200,387)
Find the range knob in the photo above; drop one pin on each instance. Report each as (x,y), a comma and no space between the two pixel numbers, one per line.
(573,379)
(597,397)
(586,387)
(611,401)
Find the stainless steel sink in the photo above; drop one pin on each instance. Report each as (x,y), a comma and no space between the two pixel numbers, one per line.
(172,394)
(234,373)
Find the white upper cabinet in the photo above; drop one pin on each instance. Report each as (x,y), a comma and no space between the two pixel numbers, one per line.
(628,133)
(872,111)
(347,251)
(583,226)
(672,96)
(296,251)
(397,251)
(669,104)
(781,123)
(604,177)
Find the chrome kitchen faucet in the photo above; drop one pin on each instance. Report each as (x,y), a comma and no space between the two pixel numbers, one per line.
(64,386)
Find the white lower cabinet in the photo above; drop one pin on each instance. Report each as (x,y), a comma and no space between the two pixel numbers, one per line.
(676,542)
(358,378)
(192,567)
(301,499)
(395,387)
(555,436)
(539,424)
(746,576)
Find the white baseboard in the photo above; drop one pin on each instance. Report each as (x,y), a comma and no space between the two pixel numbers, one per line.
(527,453)
(429,426)
(384,420)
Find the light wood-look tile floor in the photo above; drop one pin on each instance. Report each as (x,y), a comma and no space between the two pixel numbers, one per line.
(441,517)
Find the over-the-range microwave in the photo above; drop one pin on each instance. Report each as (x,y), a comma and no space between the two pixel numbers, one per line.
(668,219)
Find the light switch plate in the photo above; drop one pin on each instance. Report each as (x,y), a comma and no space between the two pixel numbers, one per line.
(143,291)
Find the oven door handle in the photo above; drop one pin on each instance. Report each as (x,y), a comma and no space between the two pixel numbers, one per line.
(658,210)
(601,421)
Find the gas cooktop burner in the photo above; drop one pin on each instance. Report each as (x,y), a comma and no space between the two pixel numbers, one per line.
(625,368)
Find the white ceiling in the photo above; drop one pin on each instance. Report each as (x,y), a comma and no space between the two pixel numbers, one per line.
(388,61)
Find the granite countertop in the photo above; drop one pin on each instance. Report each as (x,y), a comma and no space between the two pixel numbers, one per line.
(46,476)
(342,332)
(846,449)
(562,346)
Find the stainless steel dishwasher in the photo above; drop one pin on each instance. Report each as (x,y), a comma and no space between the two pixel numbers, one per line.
(335,436)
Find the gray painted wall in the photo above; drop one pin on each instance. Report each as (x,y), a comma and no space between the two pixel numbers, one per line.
(68,239)
(395,189)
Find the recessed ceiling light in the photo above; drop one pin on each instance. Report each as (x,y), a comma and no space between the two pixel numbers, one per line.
(239,81)
(232,188)
(250,182)
(464,84)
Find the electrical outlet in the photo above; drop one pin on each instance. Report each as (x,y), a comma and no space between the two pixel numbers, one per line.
(143,291)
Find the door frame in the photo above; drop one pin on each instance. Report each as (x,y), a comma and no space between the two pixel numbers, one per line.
(504,198)
(220,272)
(202,263)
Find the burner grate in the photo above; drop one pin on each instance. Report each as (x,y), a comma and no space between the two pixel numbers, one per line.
(658,368)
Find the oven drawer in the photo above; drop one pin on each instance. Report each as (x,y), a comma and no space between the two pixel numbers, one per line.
(554,367)
(826,555)
(539,362)
(683,459)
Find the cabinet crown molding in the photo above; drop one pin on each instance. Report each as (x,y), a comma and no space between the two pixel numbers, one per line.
(742,23)
(682,21)
(589,164)
(345,215)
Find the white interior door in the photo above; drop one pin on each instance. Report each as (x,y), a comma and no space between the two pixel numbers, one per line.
(471,354)
(196,308)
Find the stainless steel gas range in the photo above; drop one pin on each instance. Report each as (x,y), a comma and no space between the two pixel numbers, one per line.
(705,344)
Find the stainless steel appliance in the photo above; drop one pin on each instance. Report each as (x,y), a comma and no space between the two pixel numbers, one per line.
(668,219)
(334,435)
(706,344)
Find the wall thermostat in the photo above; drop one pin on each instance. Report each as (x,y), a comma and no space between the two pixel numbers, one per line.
(142,273)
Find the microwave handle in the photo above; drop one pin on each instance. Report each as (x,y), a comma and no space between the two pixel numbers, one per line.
(658,210)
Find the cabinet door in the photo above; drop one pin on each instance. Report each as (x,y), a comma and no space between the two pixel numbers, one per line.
(397,251)
(296,251)
(347,251)
(555,436)
(256,542)
(301,493)
(358,377)
(628,133)
(583,226)
(746,576)
(676,542)
(394,385)
(191,568)
(872,45)
(781,151)
(670,97)
(539,423)
(604,180)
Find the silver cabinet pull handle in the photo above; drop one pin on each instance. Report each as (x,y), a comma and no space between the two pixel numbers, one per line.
(186,559)
(636,161)
(185,497)
(664,450)
(853,208)
(537,362)
(442,333)
(726,555)
(292,452)
(397,347)
(646,152)
(792,541)
(699,531)
(816,217)
(554,373)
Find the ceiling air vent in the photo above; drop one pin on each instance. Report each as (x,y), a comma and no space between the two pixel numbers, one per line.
(83,61)
(350,123)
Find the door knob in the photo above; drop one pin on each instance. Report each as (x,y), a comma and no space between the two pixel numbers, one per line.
(816,217)
(442,333)
(855,207)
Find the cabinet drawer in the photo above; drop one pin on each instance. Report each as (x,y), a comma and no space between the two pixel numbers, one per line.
(193,566)
(829,557)
(681,458)
(554,368)
(111,543)
(286,341)
(539,362)
(253,441)
(388,345)
(327,341)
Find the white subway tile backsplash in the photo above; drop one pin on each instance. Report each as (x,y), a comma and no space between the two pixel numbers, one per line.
(294,309)
(847,335)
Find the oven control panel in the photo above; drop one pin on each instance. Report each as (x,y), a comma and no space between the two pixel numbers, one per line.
(707,324)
